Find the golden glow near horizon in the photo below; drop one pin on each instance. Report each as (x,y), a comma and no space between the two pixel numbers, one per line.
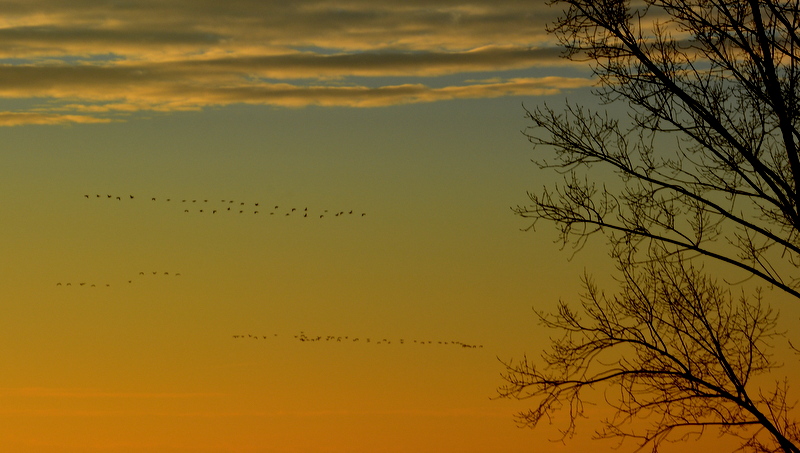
(285,117)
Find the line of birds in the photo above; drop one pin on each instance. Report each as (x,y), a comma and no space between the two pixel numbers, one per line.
(106,285)
(232,206)
(340,339)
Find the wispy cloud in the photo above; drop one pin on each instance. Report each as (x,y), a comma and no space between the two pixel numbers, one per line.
(88,61)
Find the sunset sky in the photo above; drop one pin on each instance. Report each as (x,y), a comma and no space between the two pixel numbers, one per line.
(407,113)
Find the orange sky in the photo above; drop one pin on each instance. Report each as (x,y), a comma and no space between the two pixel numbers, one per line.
(406,113)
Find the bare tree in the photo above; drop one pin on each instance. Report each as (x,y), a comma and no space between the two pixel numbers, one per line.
(709,154)
(705,166)
(680,354)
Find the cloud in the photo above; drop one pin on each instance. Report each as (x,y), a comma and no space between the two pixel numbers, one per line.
(24,118)
(116,89)
(89,61)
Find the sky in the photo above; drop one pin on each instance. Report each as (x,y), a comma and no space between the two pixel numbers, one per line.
(262,226)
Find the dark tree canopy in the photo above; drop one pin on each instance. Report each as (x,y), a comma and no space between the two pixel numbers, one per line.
(705,167)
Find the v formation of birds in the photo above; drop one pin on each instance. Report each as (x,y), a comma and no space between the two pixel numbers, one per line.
(129,281)
(224,206)
(303,337)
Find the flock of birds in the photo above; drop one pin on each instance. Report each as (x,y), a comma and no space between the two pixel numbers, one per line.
(207,206)
(367,340)
(233,207)
(130,281)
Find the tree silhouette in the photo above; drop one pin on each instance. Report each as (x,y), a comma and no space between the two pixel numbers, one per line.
(704,166)
(682,355)
(709,156)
